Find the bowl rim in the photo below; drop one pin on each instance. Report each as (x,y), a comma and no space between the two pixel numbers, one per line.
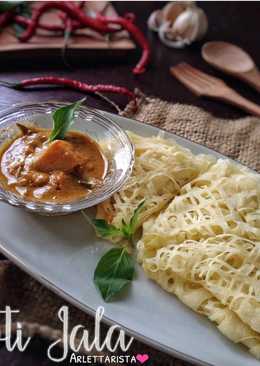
(51,209)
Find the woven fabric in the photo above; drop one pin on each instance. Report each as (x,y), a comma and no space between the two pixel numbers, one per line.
(238,139)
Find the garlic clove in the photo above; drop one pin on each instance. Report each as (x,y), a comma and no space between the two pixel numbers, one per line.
(173,9)
(186,25)
(171,39)
(155,20)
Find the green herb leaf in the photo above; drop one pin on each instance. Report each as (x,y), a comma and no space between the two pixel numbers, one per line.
(8,5)
(128,230)
(63,118)
(114,271)
(104,229)
(134,219)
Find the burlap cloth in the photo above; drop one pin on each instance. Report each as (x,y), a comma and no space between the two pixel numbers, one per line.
(239,139)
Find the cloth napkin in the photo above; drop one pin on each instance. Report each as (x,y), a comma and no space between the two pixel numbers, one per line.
(238,139)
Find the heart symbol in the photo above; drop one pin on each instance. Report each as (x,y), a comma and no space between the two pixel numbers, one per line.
(142,358)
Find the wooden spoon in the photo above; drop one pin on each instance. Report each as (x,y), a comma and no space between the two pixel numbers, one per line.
(232,60)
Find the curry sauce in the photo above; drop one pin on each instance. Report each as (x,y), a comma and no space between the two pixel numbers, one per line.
(60,171)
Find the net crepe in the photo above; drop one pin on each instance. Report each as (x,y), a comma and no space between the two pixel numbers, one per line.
(226,265)
(223,200)
(201,232)
(202,301)
(161,168)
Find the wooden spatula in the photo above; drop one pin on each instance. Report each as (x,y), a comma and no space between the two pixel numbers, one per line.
(233,60)
(205,85)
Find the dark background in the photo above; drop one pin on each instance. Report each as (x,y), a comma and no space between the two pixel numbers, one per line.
(236,22)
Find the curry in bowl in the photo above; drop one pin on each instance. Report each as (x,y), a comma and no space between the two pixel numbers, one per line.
(59,170)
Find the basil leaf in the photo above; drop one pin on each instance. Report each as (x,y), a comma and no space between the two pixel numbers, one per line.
(8,5)
(135,217)
(104,229)
(129,229)
(126,230)
(114,271)
(63,118)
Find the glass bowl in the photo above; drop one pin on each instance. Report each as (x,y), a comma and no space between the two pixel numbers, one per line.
(115,144)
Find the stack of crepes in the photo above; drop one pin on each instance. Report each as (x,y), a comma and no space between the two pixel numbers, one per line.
(200,232)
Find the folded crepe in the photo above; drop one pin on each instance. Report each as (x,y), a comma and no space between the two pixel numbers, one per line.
(226,265)
(161,168)
(203,302)
(223,200)
(201,232)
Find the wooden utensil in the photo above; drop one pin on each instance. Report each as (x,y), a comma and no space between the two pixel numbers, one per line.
(203,84)
(232,60)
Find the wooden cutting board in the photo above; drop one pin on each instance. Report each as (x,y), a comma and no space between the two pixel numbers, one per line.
(84,44)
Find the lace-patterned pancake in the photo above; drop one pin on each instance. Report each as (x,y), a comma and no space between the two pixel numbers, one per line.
(225,199)
(161,168)
(201,232)
(202,301)
(226,265)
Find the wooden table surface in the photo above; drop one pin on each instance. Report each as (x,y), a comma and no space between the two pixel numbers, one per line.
(236,22)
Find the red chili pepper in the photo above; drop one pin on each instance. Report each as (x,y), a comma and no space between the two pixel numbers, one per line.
(137,35)
(71,11)
(99,23)
(72,84)
(6,18)
(74,23)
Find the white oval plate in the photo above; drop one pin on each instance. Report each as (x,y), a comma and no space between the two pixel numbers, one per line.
(62,253)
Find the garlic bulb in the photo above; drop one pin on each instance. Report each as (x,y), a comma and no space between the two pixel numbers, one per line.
(155,20)
(179,23)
